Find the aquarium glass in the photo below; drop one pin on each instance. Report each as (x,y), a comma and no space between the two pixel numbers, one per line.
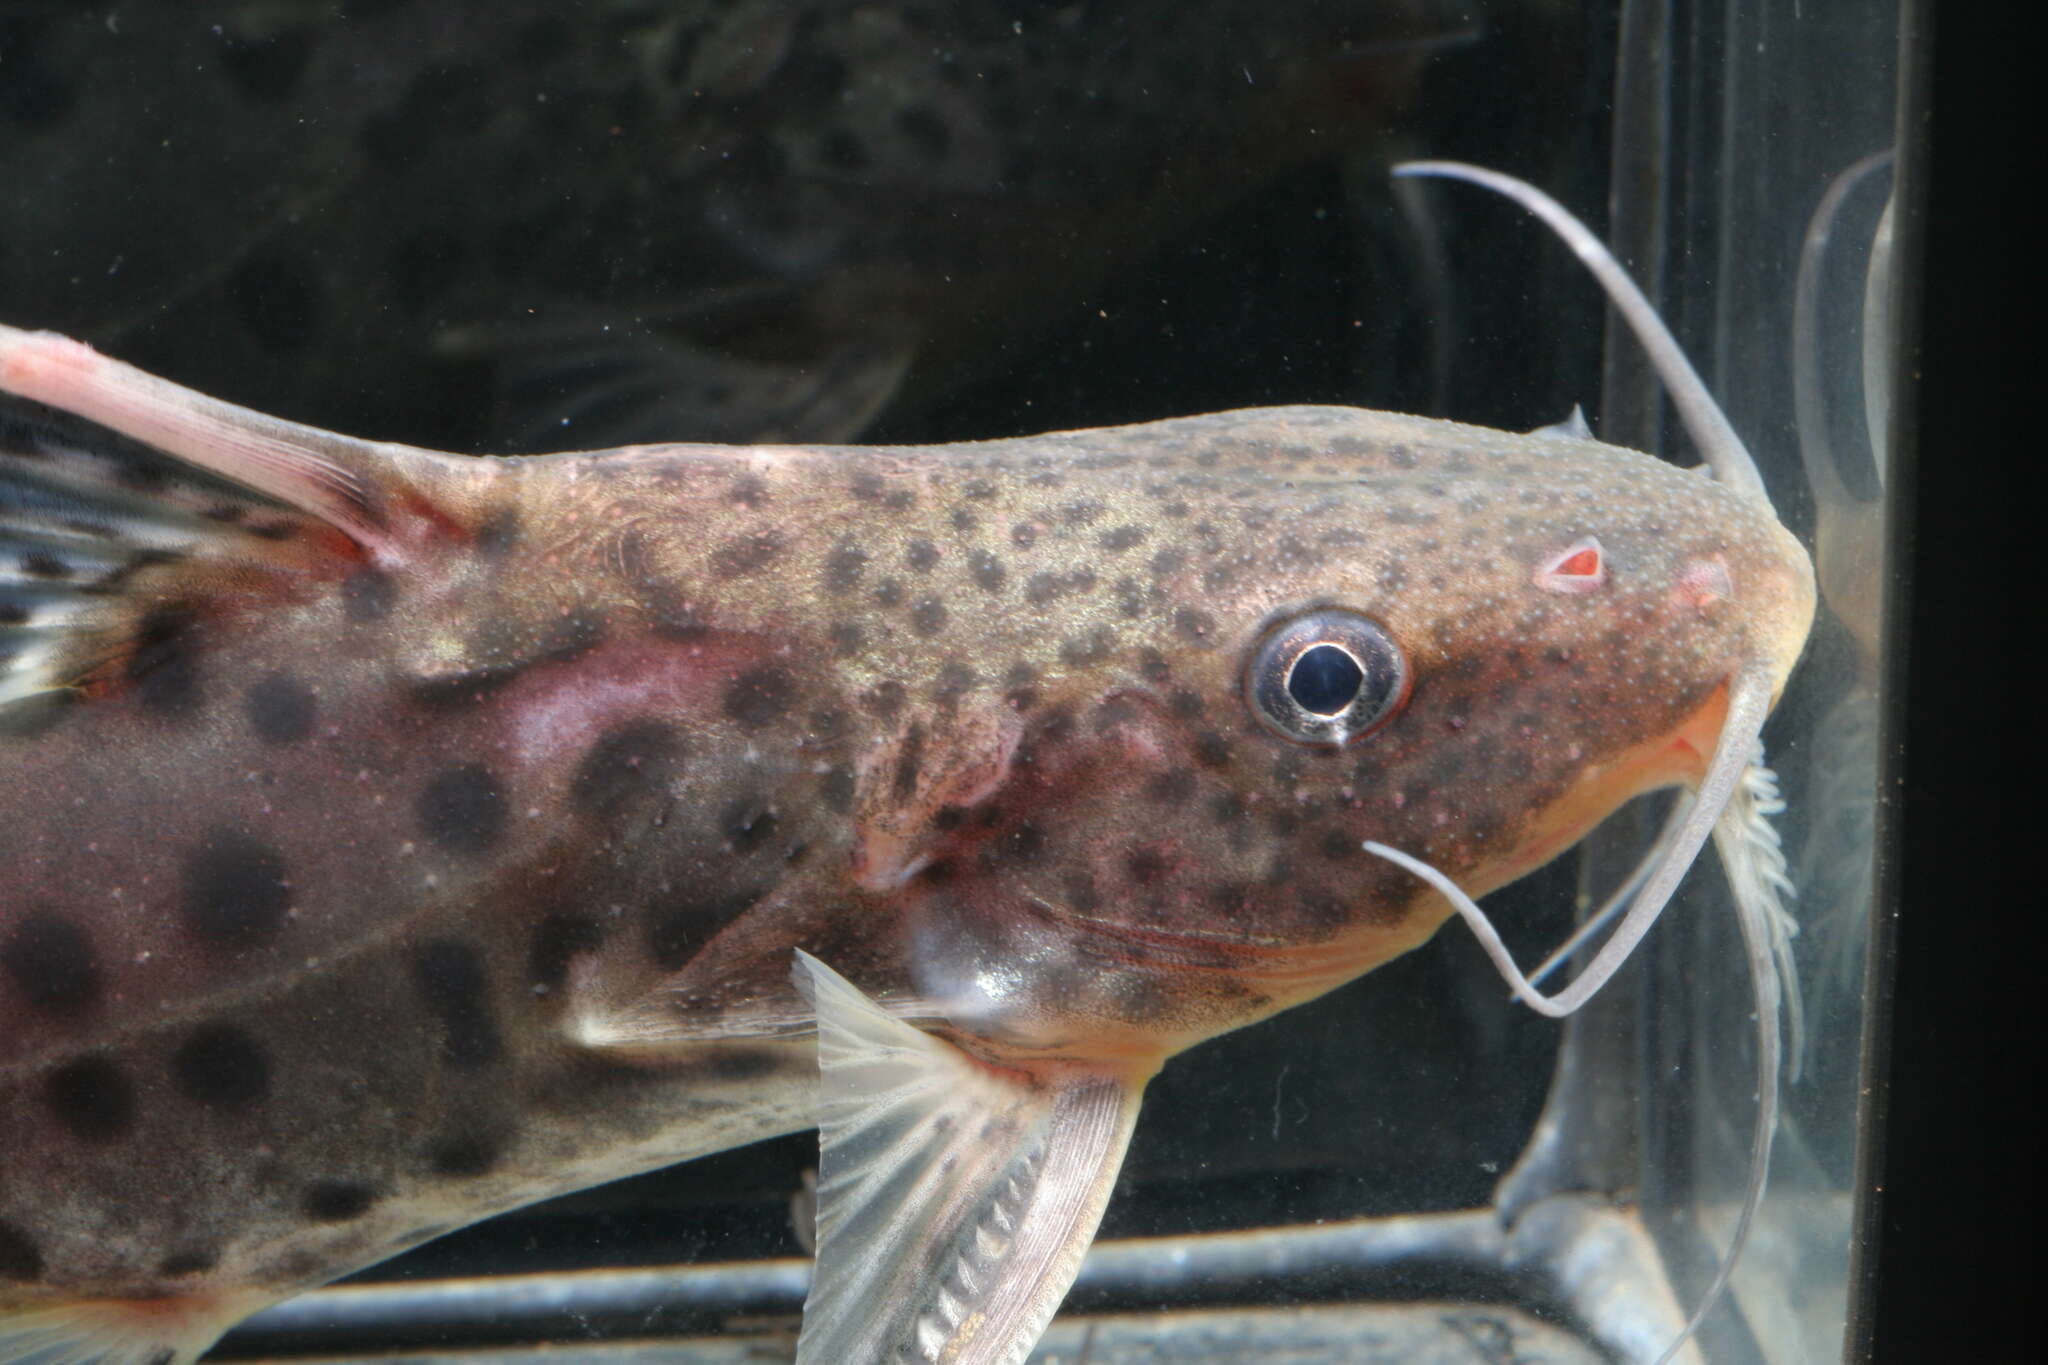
(507,226)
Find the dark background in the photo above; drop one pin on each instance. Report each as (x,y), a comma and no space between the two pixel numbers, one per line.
(1956,1277)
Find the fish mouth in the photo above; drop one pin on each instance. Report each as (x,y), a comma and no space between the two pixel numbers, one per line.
(1678,757)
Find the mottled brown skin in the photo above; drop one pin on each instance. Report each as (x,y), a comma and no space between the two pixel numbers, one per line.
(397,895)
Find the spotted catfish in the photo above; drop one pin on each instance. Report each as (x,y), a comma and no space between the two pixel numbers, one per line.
(394,838)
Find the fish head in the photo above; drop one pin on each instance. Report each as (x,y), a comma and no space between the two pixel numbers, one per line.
(1468,645)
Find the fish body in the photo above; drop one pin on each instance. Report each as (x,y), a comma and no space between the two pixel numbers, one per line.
(394,838)
(734,221)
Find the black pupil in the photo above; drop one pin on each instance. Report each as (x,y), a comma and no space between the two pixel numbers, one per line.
(1325,680)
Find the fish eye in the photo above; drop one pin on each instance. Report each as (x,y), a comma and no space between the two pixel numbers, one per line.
(1327,677)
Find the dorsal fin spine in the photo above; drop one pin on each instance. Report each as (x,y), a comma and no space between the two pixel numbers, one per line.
(286,461)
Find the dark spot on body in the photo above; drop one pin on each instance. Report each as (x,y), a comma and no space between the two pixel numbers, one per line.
(1092,648)
(678,932)
(928,617)
(747,823)
(1193,624)
(745,555)
(164,669)
(368,595)
(463,809)
(1055,727)
(921,556)
(886,699)
(192,1261)
(50,959)
(92,1099)
(748,491)
(236,893)
(848,639)
(281,709)
(1339,845)
(1024,535)
(955,680)
(1083,513)
(336,1201)
(1228,809)
(1023,843)
(222,1067)
(1171,787)
(836,789)
(760,695)
(1121,538)
(964,521)
(1146,866)
(499,532)
(20,1259)
(989,573)
(455,989)
(558,940)
(462,1156)
(843,568)
(627,767)
(572,634)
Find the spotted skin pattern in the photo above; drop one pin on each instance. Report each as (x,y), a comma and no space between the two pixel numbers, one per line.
(368,884)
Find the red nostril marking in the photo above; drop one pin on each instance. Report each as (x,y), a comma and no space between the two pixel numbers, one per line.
(1705,582)
(1584,564)
(1579,567)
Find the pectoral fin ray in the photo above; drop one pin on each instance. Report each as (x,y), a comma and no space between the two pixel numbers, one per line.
(955,1198)
(109,1332)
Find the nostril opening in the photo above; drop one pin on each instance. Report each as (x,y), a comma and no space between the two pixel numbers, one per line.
(1707,581)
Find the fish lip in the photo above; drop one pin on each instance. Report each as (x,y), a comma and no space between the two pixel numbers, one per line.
(1678,757)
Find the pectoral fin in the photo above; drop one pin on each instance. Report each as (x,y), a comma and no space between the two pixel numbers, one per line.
(171,1331)
(955,1197)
